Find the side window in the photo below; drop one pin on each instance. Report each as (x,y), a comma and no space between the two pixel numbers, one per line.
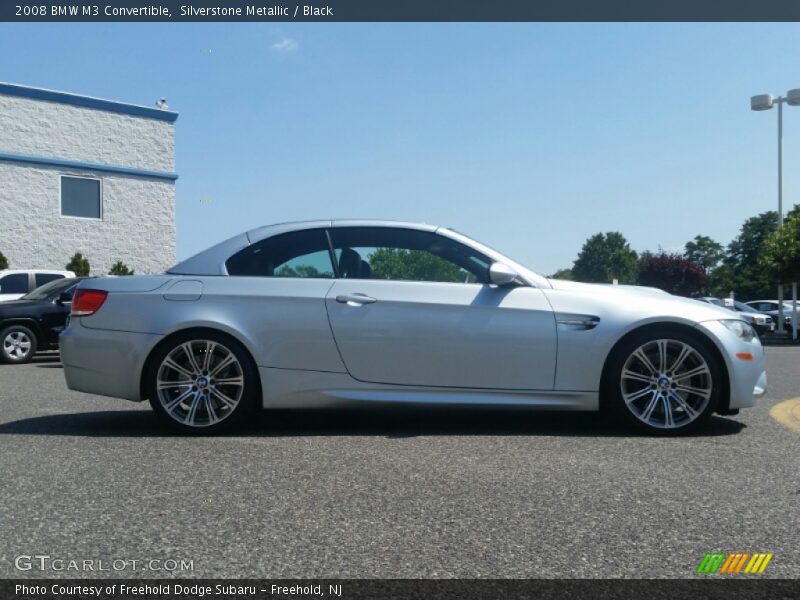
(42,278)
(296,254)
(15,283)
(406,255)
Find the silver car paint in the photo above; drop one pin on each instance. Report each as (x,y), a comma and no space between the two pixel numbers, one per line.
(406,337)
(421,342)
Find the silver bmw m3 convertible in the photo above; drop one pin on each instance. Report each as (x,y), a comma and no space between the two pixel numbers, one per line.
(331,312)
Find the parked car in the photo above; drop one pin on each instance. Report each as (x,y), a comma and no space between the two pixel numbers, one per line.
(35,321)
(15,283)
(760,322)
(329,312)
(770,307)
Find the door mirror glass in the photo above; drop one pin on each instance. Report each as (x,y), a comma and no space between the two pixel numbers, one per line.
(501,274)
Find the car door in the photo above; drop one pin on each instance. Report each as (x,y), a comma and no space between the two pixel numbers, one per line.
(53,311)
(412,307)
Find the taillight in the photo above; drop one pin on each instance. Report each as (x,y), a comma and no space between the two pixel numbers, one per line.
(87,302)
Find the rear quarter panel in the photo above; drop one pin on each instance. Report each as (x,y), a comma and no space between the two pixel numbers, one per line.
(281,321)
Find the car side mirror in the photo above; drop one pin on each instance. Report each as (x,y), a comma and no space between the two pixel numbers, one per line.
(501,274)
(64,298)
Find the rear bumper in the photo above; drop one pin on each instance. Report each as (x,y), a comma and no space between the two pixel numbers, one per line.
(104,362)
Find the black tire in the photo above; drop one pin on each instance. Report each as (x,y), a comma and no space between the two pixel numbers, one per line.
(18,344)
(685,418)
(249,401)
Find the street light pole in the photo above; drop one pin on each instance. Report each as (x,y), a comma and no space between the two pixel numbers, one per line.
(780,102)
(781,317)
(765,102)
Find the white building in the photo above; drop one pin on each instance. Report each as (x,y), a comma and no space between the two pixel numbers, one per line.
(81,174)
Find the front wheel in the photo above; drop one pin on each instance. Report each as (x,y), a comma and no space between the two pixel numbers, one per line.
(664,382)
(203,383)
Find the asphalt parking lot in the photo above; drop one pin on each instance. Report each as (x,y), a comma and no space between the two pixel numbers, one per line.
(389,493)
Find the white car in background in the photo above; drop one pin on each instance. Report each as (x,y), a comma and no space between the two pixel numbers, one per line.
(770,307)
(15,283)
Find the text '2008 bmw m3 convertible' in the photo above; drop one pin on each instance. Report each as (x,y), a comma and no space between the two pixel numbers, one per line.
(331,312)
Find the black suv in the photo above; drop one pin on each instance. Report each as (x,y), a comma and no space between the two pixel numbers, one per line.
(34,321)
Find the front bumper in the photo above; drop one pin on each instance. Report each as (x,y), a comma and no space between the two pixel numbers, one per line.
(104,362)
(747,377)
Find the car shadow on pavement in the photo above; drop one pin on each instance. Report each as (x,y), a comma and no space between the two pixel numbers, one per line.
(390,422)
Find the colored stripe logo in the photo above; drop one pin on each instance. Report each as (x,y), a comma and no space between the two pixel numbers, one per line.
(727,563)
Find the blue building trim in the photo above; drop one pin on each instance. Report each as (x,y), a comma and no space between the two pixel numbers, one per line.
(85,166)
(24,91)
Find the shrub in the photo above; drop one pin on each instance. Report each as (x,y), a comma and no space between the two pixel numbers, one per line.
(672,273)
(120,268)
(78,265)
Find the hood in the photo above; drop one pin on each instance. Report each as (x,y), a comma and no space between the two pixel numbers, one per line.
(644,300)
(606,288)
(12,304)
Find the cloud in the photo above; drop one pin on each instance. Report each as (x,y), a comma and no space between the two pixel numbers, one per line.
(285,45)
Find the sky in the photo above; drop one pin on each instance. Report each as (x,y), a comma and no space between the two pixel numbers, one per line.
(527,137)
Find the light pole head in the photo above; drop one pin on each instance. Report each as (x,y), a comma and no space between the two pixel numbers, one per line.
(793,97)
(762,102)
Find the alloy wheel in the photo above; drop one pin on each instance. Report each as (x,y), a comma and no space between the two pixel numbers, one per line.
(17,345)
(666,383)
(200,383)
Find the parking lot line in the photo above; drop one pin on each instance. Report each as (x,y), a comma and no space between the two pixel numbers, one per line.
(787,413)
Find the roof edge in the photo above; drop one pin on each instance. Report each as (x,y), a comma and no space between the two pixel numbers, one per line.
(136,110)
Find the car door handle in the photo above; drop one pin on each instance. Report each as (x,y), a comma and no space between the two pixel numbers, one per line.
(355,299)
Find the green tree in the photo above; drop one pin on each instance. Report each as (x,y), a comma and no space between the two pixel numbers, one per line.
(562,274)
(605,257)
(299,271)
(414,265)
(78,265)
(744,272)
(781,255)
(672,273)
(704,251)
(3,261)
(722,281)
(120,268)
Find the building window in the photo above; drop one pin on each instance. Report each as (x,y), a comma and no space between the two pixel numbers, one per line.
(81,197)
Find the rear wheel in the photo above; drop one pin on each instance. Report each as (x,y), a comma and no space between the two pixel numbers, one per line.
(664,382)
(203,382)
(17,344)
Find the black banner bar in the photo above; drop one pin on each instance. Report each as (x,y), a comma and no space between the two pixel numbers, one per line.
(398,10)
(403,589)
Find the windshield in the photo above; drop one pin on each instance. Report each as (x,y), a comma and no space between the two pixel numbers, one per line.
(741,306)
(48,289)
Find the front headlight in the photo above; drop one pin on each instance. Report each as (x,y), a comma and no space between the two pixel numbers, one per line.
(759,320)
(741,329)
